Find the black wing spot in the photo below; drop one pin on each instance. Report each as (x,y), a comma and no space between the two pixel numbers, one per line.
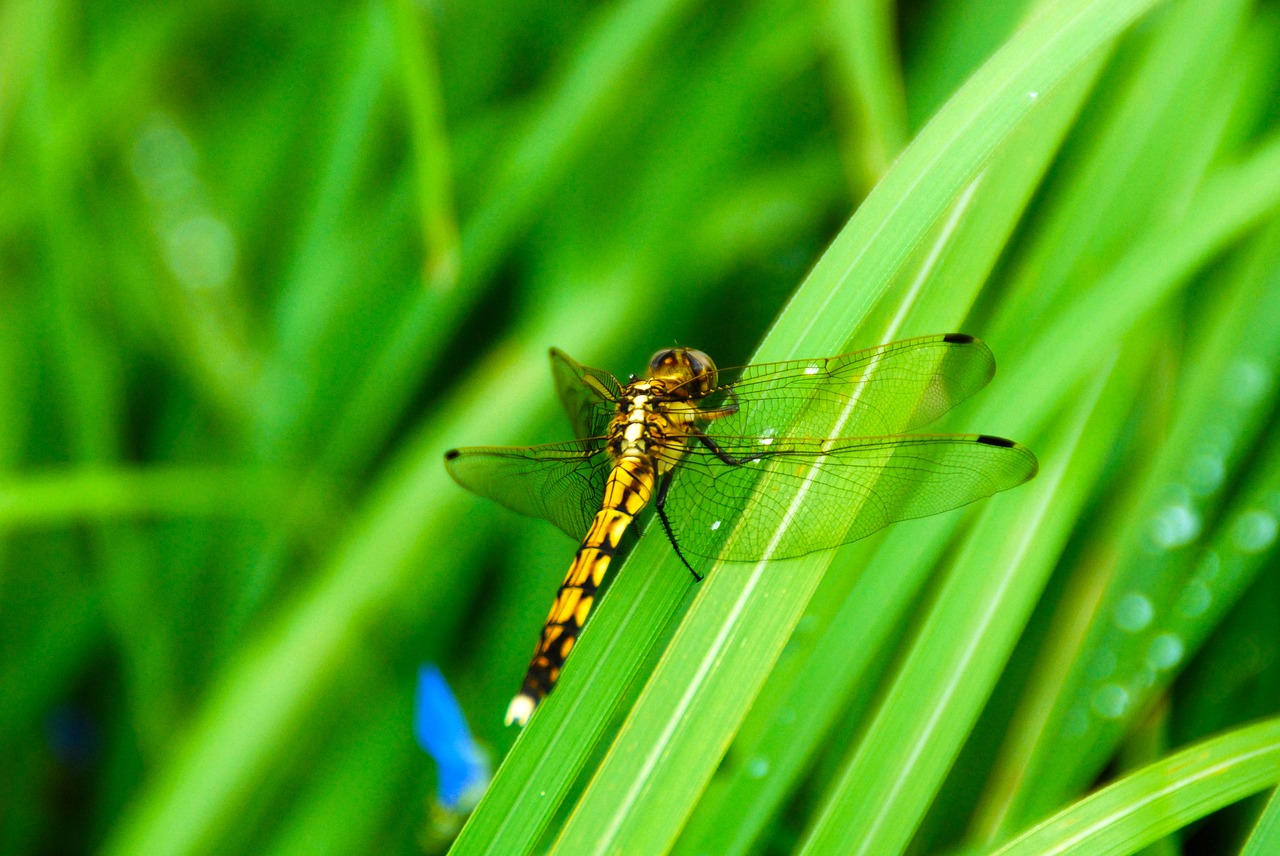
(958,338)
(451,454)
(996,441)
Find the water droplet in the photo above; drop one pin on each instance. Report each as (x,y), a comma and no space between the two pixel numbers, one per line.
(1111,701)
(163,161)
(1134,612)
(1194,599)
(1219,439)
(1102,666)
(1254,531)
(1247,381)
(1033,95)
(715,526)
(201,252)
(1205,473)
(758,767)
(1173,526)
(1075,723)
(1166,651)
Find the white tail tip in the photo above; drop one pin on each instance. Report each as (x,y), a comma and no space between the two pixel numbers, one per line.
(520,709)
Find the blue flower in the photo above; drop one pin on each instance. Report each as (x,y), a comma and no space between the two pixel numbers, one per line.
(441,730)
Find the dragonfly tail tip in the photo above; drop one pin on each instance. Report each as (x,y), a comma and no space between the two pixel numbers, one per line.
(520,709)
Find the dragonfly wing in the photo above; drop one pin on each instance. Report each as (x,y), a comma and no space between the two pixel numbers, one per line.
(876,392)
(560,482)
(590,396)
(819,494)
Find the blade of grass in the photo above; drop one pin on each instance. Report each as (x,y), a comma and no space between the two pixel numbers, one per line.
(967,637)
(1147,744)
(688,713)
(1237,198)
(862,39)
(103,493)
(23,25)
(318,287)
(731,815)
(1095,211)
(946,156)
(1265,837)
(944,47)
(1155,570)
(594,85)
(420,76)
(1145,806)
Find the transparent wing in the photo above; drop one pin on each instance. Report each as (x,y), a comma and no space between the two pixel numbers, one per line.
(560,482)
(823,493)
(590,396)
(876,392)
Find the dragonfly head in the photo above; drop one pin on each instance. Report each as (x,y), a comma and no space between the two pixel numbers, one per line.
(689,371)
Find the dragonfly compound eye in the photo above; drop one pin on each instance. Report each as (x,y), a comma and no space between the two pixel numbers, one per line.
(663,362)
(688,367)
(703,371)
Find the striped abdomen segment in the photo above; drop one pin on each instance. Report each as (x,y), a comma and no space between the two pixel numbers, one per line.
(626,493)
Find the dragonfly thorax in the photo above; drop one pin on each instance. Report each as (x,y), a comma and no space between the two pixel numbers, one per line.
(651,422)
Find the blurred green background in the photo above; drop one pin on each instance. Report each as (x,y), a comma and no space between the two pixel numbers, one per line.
(260,265)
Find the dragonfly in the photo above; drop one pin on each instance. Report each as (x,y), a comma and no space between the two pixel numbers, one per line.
(762,462)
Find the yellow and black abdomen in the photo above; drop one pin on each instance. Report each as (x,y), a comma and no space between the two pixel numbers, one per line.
(627,492)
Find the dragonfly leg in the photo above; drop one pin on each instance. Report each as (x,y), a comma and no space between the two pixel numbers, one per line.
(727,409)
(659,505)
(721,453)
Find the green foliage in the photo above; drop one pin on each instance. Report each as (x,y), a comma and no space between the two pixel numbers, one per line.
(260,266)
